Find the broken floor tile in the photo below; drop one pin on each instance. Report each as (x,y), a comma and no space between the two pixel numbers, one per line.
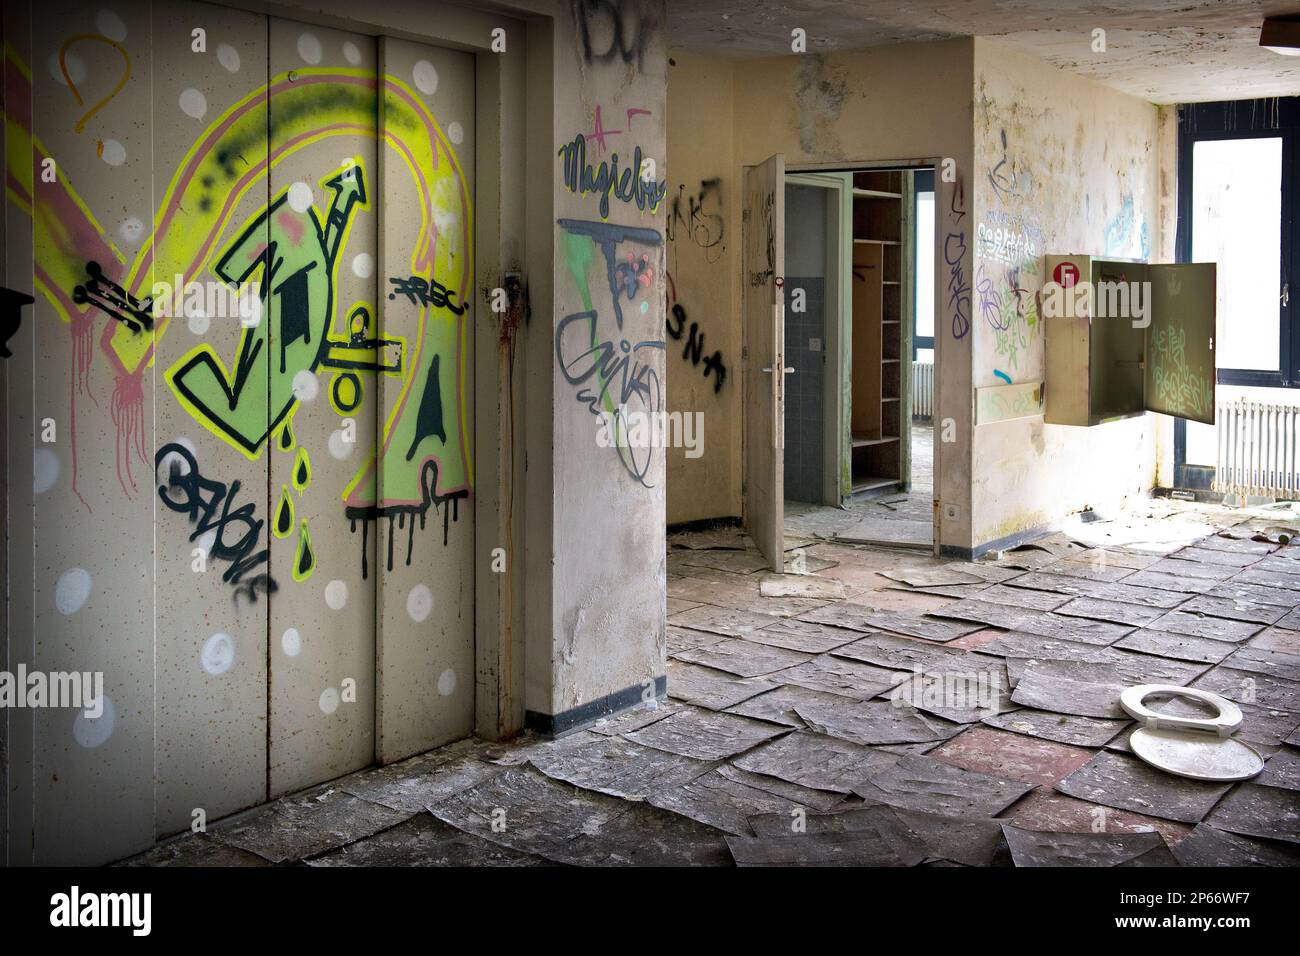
(1062,728)
(706,735)
(1234,609)
(1284,665)
(1215,556)
(1268,578)
(800,585)
(1048,810)
(843,848)
(1038,848)
(861,617)
(676,605)
(1063,585)
(1023,597)
(1136,594)
(815,760)
(1235,590)
(1078,629)
(309,823)
(725,802)
(983,612)
(640,716)
(1277,639)
(963,696)
(1080,566)
(720,620)
(194,849)
(410,786)
(1281,770)
(1097,609)
(1199,625)
(820,800)
(1182,647)
(805,636)
(1127,666)
(1171,582)
(424,840)
(647,836)
(1207,846)
(1011,756)
(933,576)
(873,723)
(1248,687)
(742,658)
(1259,811)
(1080,687)
(1118,780)
(923,783)
(778,706)
(706,687)
(897,653)
(685,638)
(835,675)
(619,767)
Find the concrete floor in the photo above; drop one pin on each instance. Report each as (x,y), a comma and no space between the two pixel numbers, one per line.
(846,716)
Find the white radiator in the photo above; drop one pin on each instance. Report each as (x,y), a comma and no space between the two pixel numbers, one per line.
(922,389)
(1259,449)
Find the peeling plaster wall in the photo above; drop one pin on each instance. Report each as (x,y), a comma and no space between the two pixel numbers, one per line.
(703,331)
(906,102)
(1063,165)
(607,627)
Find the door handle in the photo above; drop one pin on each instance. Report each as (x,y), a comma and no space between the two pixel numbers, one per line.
(786,371)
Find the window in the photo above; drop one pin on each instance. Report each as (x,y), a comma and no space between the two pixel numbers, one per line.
(923,293)
(1237,170)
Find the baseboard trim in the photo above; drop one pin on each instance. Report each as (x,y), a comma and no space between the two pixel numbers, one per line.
(584,715)
(1001,544)
(704,524)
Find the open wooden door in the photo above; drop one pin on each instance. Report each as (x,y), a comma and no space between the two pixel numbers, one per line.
(763,310)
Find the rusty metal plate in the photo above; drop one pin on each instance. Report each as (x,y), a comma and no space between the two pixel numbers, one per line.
(1061,728)
(706,735)
(1036,848)
(1118,780)
(922,783)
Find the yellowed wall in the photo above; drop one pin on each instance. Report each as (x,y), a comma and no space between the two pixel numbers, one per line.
(704,287)
(1063,165)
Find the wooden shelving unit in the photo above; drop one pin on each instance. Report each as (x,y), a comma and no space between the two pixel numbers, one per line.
(877,338)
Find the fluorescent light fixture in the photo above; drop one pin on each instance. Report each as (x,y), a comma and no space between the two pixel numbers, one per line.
(1281,35)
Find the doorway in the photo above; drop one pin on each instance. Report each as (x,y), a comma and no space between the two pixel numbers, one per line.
(859,335)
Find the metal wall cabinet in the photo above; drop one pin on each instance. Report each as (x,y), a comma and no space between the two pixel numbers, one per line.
(1123,338)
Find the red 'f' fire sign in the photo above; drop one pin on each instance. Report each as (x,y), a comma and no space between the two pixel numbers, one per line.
(1066,274)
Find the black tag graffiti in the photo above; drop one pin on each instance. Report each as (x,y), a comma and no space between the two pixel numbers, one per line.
(421,291)
(11,316)
(114,301)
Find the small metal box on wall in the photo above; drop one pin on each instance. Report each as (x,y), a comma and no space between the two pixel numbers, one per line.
(1123,338)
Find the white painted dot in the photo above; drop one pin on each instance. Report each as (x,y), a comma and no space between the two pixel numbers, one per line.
(425,77)
(309,48)
(114,152)
(305,385)
(218,654)
(456,133)
(110,25)
(76,68)
(419,602)
(300,197)
(72,590)
(228,57)
(351,52)
(90,732)
(197,322)
(339,446)
(131,230)
(45,470)
(291,642)
(329,700)
(193,103)
(447,682)
(336,595)
(363,265)
(250,309)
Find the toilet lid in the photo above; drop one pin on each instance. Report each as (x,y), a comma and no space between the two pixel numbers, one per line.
(1201,748)
(1196,754)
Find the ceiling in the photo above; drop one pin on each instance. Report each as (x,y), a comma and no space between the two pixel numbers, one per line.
(1165,51)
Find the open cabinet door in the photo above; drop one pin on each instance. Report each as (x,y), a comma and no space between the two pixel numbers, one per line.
(1180,373)
(763,319)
